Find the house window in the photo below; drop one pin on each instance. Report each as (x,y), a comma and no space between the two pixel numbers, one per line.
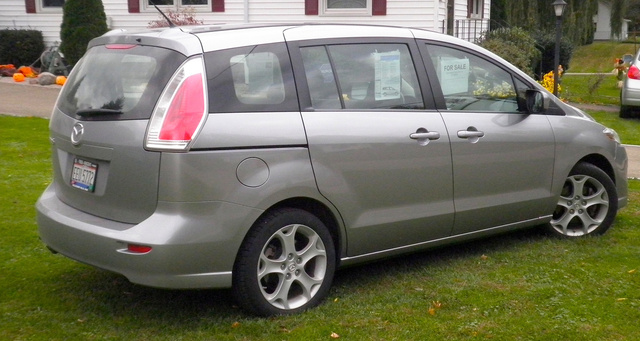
(475,9)
(52,3)
(34,6)
(346,7)
(197,4)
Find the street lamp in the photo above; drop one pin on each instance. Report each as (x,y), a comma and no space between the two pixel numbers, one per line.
(558,7)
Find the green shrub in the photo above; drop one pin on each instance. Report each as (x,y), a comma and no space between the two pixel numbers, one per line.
(515,45)
(82,20)
(20,47)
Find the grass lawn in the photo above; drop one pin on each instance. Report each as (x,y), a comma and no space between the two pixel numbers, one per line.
(599,56)
(596,89)
(522,285)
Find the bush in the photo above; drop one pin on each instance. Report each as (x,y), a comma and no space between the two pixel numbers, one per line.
(20,47)
(82,20)
(515,45)
(546,42)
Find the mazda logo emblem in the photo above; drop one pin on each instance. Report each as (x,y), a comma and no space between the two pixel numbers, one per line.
(76,133)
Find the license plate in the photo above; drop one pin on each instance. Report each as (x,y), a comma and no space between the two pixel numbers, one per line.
(83,175)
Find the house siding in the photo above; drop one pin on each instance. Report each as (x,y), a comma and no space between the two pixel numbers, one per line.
(426,14)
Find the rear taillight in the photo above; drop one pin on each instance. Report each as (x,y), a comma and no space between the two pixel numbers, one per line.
(634,72)
(181,109)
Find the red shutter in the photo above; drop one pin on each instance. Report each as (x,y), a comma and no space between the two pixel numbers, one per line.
(311,7)
(379,7)
(30,6)
(134,6)
(217,5)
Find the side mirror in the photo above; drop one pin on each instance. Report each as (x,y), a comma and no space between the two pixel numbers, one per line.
(537,102)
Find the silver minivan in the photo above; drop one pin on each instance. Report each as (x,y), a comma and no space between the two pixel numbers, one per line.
(264,157)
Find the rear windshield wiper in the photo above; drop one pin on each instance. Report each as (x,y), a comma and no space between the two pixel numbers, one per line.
(97,112)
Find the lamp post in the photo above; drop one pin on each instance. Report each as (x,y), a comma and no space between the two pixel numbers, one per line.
(558,7)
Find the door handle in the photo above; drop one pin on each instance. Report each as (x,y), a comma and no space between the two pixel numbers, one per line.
(471,134)
(434,135)
(465,134)
(423,136)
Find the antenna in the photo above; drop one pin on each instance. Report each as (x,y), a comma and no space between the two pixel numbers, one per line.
(171,24)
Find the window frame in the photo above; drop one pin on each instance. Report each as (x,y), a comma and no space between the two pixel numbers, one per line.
(475,9)
(177,6)
(339,12)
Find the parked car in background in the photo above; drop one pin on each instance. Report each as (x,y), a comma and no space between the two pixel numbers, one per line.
(262,158)
(630,92)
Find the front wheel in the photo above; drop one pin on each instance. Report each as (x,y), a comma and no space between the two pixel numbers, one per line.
(588,203)
(285,265)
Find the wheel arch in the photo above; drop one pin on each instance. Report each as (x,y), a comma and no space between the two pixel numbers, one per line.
(600,162)
(319,209)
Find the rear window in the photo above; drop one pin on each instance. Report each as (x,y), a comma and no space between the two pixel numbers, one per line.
(120,82)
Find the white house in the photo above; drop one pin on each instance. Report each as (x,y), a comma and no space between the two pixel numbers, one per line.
(463,18)
(602,21)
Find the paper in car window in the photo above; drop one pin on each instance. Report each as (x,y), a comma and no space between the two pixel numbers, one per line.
(453,74)
(387,75)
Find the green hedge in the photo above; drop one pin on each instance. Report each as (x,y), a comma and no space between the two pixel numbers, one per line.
(20,47)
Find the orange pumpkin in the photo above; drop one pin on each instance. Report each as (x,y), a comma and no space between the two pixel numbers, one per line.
(60,80)
(18,77)
(27,71)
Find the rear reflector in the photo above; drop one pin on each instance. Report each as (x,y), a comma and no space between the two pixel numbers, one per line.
(138,248)
(634,72)
(181,109)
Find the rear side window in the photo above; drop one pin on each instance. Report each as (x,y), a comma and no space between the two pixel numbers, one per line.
(118,82)
(250,79)
(361,76)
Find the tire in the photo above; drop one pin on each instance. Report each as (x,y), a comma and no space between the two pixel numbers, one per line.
(285,265)
(626,111)
(588,203)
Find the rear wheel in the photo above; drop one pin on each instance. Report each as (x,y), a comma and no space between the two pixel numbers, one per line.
(285,265)
(626,111)
(588,203)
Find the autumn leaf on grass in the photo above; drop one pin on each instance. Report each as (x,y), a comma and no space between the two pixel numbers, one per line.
(235,325)
(632,271)
(435,305)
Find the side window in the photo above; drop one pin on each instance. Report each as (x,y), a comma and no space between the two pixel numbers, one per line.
(257,78)
(471,83)
(250,79)
(322,85)
(362,76)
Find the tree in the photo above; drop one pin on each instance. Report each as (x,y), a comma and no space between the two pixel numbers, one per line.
(618,10)
(82,20)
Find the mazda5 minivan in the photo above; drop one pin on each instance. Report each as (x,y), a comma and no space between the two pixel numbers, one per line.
(262,158)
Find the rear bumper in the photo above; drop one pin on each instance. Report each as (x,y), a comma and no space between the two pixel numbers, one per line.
(192,246)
